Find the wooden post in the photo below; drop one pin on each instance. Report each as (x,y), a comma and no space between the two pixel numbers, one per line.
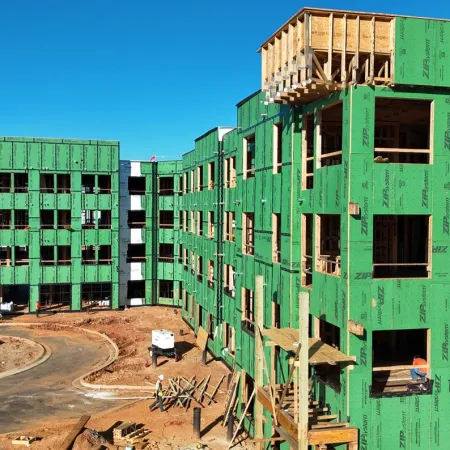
(303,372)
(259,377)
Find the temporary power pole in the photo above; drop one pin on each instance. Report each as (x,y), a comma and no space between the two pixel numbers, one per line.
(303,394)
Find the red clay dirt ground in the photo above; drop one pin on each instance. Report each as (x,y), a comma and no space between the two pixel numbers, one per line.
(15,352)
(131,330)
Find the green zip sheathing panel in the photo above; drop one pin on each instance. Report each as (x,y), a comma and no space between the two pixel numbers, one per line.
(413,422)
(35,157)
(421,54)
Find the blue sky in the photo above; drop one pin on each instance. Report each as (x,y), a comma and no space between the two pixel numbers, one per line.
(154,75)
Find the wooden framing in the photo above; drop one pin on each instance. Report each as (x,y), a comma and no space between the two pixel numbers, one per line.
(319,50)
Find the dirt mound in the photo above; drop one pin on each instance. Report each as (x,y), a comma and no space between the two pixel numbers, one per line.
(16,352)
(90,440)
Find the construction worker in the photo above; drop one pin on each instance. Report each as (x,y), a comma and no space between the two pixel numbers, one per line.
(159,394)
(419,372)
(38,307)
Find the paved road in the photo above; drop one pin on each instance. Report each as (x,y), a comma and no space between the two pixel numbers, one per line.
(45,392)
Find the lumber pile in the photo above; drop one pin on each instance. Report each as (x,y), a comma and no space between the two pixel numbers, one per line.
(129,433)
(182,392)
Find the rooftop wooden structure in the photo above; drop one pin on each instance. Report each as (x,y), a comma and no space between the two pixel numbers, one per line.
(320,50)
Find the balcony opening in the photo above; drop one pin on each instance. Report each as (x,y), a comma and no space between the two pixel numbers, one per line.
(47,219)
(166,253)
(180,185)
(22,255)
(5,219)
(247,390)
(229,339)
(180,254)
(104,184)
(276,238)
(136,185)
(199,268)
(185,259)
(211,273)
(166,289)
(64,256)
(330,120)
(5,182)
(87,219)
(328,244)
(64,219)
(21,220)
(210,224)
(401,246)
(307,250)
(104,254)
(136,289)
(47,255)
(96,295)
(185,183)
(166,219)
(192,222)
(55,297)
(402,131)
(166,186)
(248,310)
(210,324)
(200,180)
(185,221)
(136,253)
(248,233)
(181,220)
(328,373)
(191,306)
(20,182)
(88,254)
(199,315)
(192,263)
(396,353)
(308,137)
(229,226)
(104,219)
(136,219)
(228,280)
(211,175)
(200,223)
(184,297)
(276,315)
(47,183)
(249,156)
(88,184)
(193,185)
(63,183)
(232,169)
(277,146)
(5,256)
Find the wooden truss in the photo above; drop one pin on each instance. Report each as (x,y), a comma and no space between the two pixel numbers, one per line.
(319,51)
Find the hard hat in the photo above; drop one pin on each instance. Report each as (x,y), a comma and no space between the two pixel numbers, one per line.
(161,377)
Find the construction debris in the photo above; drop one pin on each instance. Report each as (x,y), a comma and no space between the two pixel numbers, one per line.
(182,391)
(90,440)
(76,430)
(25,441)
(129,433)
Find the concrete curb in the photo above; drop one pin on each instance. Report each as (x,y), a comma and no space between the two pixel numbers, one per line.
(79,382)
(44,354)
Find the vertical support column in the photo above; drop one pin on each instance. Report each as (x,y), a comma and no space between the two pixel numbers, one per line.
(303,372)
(259,346)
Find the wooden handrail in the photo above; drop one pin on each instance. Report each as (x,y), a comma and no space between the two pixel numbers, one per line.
(404,367)
(401,150)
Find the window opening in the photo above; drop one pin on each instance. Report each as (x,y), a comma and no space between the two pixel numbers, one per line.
(166,186)
(402,131)
(136,219)
(136,185)
(136,253)
(401,246)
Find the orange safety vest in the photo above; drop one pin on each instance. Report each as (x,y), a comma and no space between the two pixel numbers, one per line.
(420,362)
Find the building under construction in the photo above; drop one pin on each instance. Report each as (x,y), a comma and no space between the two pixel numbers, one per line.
(310,241)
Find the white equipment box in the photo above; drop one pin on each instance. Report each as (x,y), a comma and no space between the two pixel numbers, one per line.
(164,339)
